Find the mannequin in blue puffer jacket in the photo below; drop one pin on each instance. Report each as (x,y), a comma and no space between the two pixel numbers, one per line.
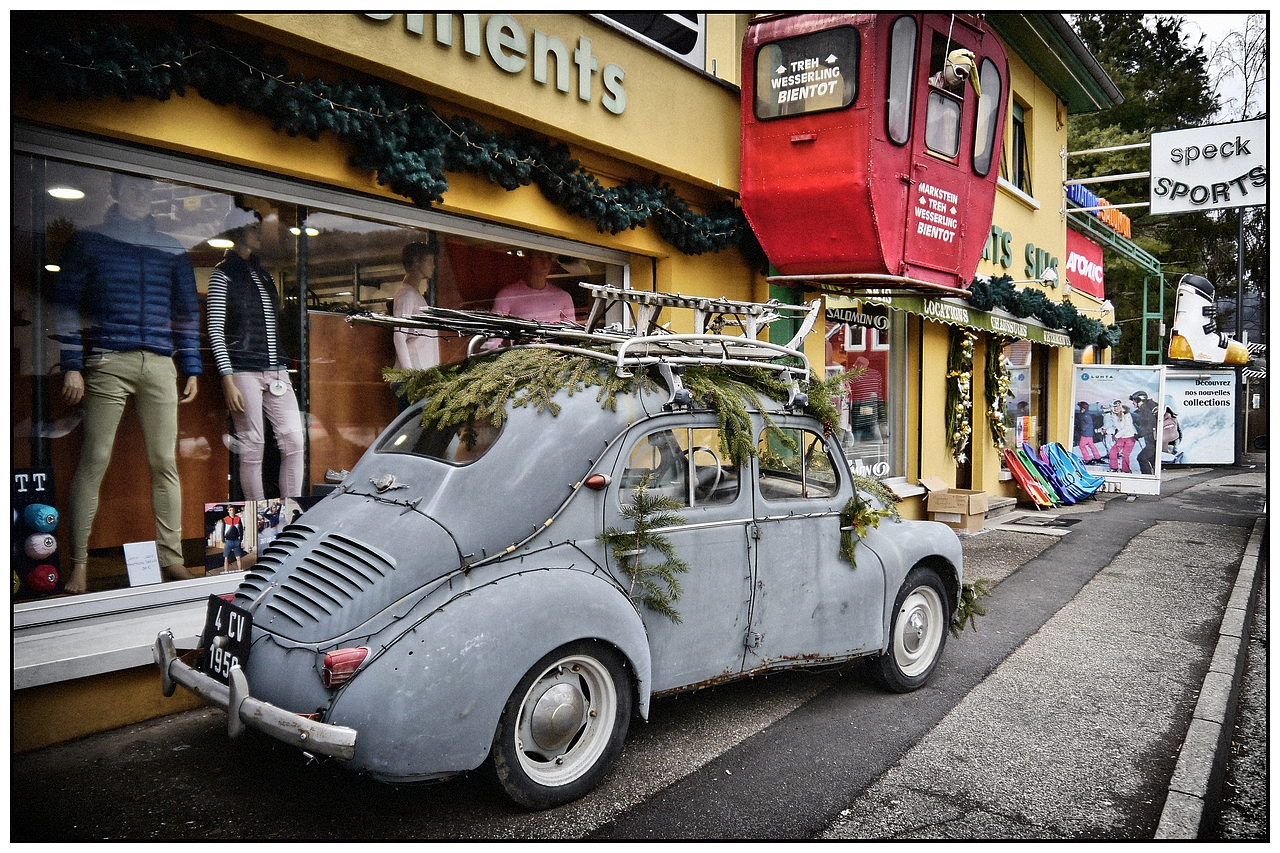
(126,307)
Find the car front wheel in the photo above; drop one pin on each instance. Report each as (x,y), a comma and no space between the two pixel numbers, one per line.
(563,725)
(919,632)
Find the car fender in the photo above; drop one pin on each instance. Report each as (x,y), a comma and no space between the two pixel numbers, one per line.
(428,704)
(900,550)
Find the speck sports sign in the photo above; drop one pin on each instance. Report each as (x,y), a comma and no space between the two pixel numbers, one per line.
(1209,168)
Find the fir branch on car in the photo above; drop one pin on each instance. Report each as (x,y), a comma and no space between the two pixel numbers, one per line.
(654,585)
(970,609)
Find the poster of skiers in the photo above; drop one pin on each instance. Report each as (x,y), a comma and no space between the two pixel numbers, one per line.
(1198,417)
(1117,429)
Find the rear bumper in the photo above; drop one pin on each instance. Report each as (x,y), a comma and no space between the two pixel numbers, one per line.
(244,711)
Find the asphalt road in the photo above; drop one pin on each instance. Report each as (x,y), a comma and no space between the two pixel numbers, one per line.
(1060,717)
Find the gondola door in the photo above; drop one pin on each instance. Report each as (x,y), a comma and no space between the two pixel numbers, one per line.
(959,95)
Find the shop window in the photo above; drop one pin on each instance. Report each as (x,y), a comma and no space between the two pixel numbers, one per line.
(682,35)
(319,255)
(871,413)
(902,78)
(984,135)
(1025,410)
(796,469)
(685,464)
(1016,168)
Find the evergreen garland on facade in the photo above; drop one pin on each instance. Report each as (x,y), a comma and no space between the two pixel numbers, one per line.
(959,391)
(985,294)
(391,131)
(997,382)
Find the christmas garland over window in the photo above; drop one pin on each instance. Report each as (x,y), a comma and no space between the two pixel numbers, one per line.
(985,294)
(959,391)
(391,131)
(997,387)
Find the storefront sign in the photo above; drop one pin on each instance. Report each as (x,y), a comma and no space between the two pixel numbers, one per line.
(1128,441)
(865,315)
(1199,418)
(509,48)
(1084,265)
(999,251)
(957,314)
(1209,168)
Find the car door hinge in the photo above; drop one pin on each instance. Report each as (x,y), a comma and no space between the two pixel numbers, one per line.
(752,640)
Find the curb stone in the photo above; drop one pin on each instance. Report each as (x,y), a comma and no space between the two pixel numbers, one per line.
(1196,785)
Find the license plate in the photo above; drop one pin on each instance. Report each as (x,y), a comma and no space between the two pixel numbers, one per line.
(225,642)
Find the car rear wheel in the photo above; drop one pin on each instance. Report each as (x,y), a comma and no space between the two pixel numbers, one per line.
(563,725)
(919,632)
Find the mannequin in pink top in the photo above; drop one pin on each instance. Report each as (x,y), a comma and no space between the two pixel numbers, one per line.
(537,299)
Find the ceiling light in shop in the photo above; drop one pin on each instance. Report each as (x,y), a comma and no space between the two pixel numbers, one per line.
(219,243)
(68,193)
(311,232)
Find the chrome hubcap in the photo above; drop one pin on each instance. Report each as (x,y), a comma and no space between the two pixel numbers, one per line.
(915,629)
(557,716)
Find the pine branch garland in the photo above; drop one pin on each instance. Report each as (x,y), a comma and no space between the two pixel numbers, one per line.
(655,585)
(390,130)
(970,609)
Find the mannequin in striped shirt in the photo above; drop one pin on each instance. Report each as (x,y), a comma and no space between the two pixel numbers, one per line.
(243,306)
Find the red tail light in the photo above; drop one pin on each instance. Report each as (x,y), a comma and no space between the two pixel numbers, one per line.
(340,665)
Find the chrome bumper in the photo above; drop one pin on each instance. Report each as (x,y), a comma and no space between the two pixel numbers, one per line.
(245,711)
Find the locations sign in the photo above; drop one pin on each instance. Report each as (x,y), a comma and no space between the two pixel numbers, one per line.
(1209,168)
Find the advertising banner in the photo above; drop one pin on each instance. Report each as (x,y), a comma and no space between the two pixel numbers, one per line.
(1209,168)
(1084,265)
(1199,417)
(1117,425)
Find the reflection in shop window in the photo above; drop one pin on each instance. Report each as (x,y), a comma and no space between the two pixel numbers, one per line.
(868,410)
(352,264)
(1024,409)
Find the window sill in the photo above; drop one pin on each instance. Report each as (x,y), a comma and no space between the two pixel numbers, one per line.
(1017,194)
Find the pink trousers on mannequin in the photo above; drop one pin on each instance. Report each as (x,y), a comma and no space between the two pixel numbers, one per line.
(286,421)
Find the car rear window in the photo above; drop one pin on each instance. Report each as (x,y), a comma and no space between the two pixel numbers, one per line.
(458,445)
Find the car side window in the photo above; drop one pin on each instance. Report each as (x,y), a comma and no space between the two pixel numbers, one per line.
(796,467)
(684,463)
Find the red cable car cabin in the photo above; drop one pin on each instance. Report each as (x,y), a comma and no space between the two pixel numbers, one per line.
(871,146)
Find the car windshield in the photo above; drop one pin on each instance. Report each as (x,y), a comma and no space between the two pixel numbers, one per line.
(458,445)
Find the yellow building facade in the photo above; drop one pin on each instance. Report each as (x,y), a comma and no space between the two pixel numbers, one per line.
(617,110)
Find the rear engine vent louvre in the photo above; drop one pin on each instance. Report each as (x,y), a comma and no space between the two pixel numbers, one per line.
(257,579)
(333,574)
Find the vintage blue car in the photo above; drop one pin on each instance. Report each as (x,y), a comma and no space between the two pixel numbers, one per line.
(511,588)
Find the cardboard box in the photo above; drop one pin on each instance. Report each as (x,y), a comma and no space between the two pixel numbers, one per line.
(959,509)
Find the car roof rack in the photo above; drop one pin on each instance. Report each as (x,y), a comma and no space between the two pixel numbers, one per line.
(638,340)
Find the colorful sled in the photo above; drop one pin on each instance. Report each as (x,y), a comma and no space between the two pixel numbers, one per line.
(1056,478)
(1080,476)
(1043,473)
(1030,485)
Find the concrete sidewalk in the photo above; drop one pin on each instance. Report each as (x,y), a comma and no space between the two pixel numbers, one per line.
(1114,719)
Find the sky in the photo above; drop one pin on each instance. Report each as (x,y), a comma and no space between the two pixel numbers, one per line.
(1215,28)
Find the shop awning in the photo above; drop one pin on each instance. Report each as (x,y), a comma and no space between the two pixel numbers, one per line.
(954,312)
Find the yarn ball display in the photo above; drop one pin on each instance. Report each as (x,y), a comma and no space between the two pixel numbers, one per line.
(40,546)
(41,518)
(43,578)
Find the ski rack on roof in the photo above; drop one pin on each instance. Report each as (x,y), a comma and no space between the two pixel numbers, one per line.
(638,340)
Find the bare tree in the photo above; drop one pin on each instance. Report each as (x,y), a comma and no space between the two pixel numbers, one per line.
(1240,61)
